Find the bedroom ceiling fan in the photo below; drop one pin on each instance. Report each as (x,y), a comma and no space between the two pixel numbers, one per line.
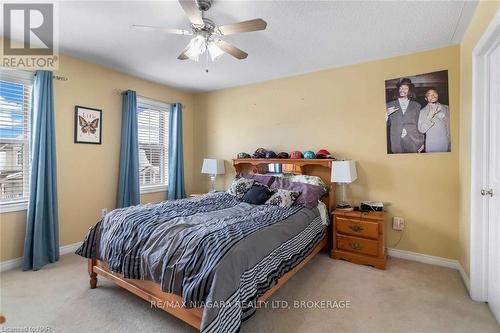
(206,35)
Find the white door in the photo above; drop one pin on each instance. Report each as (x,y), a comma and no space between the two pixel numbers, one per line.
(493,197)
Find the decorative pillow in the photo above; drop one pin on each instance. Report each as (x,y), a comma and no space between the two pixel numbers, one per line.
(258,194)
(309,194)
(263,179)
(283,198)
(277,174)
(240,186)
(306,179)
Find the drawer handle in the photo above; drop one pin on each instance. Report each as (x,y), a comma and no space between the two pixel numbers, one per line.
(356,228)
(356,246)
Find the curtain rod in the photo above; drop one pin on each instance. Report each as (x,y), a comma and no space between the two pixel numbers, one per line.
(59,78)
(120,91)
(55,77)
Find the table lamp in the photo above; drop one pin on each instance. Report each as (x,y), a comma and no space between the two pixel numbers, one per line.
(213,167)
(344,172)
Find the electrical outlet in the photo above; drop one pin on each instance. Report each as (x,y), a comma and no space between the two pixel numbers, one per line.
(398,223)
(104,211)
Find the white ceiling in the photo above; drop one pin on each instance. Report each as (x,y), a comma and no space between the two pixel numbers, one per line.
(301,36)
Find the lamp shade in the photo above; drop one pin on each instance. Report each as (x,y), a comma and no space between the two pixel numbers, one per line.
(213,166)
(344,171)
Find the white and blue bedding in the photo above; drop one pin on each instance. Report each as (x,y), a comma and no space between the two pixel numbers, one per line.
(209,250)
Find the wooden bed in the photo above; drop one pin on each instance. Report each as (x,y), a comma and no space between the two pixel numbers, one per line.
(151,291)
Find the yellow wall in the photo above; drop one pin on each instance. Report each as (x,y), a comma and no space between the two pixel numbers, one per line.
(88,174)
(483,15)
(343,110)
(339,109)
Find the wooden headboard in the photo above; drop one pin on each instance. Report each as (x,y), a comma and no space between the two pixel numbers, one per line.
(313,167)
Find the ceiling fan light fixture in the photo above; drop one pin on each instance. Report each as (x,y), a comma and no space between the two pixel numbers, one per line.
(204,31)
(214,51)
(196,46)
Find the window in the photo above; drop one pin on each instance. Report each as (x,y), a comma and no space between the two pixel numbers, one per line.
(15,110)
(152,126)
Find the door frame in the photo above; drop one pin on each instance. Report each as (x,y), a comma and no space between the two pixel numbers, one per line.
(479,161)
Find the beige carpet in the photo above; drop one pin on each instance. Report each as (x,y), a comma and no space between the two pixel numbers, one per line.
(407,297)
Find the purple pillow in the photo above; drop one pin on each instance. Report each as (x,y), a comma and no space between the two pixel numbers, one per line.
(263,179)
(309,194)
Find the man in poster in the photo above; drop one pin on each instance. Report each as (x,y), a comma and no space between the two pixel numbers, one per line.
(402,121)
(434,121)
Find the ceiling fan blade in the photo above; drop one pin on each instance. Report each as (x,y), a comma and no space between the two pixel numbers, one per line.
(231,49)
(192,11)
(183,55)
(245,26)
(139,27)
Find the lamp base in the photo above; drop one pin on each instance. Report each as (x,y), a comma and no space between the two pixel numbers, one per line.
(212,183)
(344,206)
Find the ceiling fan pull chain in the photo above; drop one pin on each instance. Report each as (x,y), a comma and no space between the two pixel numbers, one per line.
(206,67)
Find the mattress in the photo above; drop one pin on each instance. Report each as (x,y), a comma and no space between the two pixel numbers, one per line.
(213,251)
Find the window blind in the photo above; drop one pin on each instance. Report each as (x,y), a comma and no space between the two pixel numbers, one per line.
(15,113)
(152,126)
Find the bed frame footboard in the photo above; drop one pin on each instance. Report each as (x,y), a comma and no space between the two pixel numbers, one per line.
(92,274)
(151,291)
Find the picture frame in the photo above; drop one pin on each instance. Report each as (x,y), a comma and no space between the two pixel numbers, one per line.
(88,125)
(418,113)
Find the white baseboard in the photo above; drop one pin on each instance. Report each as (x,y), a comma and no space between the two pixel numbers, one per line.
(71,248)
(18,262)
(10,264)
(464,276)
(424,258)
(408,255)
(431,260)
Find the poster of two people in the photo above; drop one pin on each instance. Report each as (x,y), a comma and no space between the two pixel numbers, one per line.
(418,116)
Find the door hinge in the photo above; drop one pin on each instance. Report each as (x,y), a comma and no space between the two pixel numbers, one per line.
(487,192)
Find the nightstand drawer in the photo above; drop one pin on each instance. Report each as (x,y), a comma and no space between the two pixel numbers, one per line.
(358,245)
(357,227)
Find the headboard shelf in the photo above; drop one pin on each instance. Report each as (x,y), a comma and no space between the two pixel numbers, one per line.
(300,162)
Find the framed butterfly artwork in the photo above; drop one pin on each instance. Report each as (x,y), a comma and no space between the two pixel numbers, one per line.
(88,125)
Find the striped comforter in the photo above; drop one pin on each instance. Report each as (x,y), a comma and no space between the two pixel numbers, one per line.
(212,250)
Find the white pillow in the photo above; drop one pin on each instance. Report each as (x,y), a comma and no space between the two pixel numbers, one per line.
(240,186)
(283,198)
(306,179)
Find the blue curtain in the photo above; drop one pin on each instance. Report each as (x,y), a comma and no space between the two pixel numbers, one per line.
(41,245)
(175,156)
(128,181)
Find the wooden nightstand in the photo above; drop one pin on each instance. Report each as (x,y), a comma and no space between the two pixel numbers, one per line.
(196,195)
(359,237)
